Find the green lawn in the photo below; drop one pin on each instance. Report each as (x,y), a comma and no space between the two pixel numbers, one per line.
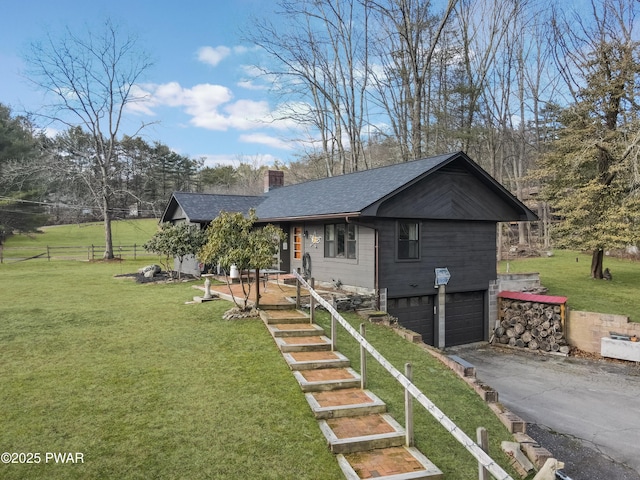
(145,386)
(567,273)
(125,233)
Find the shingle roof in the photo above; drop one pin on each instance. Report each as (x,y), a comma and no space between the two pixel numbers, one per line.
(345,193)
(203,207)
(334,196)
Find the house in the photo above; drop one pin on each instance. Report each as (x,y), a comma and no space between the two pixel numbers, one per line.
(388,229)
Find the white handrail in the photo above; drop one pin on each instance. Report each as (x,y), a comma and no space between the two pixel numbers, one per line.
(473,448)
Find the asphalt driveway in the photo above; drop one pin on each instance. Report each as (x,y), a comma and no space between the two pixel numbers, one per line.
(587,413)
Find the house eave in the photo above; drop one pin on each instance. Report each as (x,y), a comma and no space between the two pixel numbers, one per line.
(328,216)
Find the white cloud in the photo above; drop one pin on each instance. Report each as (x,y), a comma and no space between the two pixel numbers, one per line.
(268,140)
(213,55)
(213,107)
(235,160)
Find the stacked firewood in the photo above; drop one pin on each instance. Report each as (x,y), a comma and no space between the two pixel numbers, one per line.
(532,325)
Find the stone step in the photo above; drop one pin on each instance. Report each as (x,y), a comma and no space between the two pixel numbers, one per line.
(319,380)
(283,316)
(298,361)
(362,433)
(316,343)
(394,463)
(294,329)
(348,402)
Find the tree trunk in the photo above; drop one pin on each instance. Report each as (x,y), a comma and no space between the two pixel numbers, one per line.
(108,240)
(596,263)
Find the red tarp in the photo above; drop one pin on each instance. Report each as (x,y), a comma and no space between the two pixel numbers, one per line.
(531,297)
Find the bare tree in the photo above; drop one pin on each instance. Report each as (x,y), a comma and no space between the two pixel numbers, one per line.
(89,80)
(409,33)
(319,58)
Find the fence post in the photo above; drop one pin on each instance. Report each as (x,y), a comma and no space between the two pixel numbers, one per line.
(363,359)
(134,251)
(93,252)
(48,254)
(408,406)
(483,443)
(312,301)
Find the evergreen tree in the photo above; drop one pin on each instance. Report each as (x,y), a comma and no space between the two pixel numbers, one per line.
(592,169)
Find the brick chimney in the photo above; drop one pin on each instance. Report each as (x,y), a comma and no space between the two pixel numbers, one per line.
(273,179)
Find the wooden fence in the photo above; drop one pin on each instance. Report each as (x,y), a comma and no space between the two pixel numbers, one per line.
(88,252)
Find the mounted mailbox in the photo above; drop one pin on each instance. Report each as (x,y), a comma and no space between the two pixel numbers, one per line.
(442,276)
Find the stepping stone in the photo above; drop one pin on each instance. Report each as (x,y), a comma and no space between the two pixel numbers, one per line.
(315,343)
(327,379)
(347,402)
(283,316)
(395,463)
(294,329)
(313,360)
(361,433)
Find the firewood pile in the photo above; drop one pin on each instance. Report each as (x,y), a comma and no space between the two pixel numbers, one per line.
(531,325)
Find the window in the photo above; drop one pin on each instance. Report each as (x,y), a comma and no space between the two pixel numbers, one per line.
(340,240)
(408,240)
(297,243)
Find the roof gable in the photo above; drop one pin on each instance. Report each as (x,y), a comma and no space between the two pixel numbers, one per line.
(204,207)
(453,192)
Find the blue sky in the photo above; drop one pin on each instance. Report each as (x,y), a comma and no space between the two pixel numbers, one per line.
(201,91)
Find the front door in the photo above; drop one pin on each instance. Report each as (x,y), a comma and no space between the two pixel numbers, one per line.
(296,247)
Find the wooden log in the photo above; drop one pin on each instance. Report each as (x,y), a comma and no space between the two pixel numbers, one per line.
(519,343)
(564,349)
(535,332)
(519,329)
(546,325)
(511,333)
(500,331)
(526,337)
(503,340)
(533,344)
(555,347)
(544,333)
(512,342)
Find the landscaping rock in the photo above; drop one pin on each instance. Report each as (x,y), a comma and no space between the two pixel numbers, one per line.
(150,271)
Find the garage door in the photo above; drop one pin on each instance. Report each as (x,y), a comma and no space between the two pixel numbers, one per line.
(464,318)
(415,314)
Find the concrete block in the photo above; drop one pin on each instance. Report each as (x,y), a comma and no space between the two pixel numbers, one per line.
(621,349)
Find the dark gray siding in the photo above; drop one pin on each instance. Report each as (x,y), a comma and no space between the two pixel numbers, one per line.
(467,249)
(452,193)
